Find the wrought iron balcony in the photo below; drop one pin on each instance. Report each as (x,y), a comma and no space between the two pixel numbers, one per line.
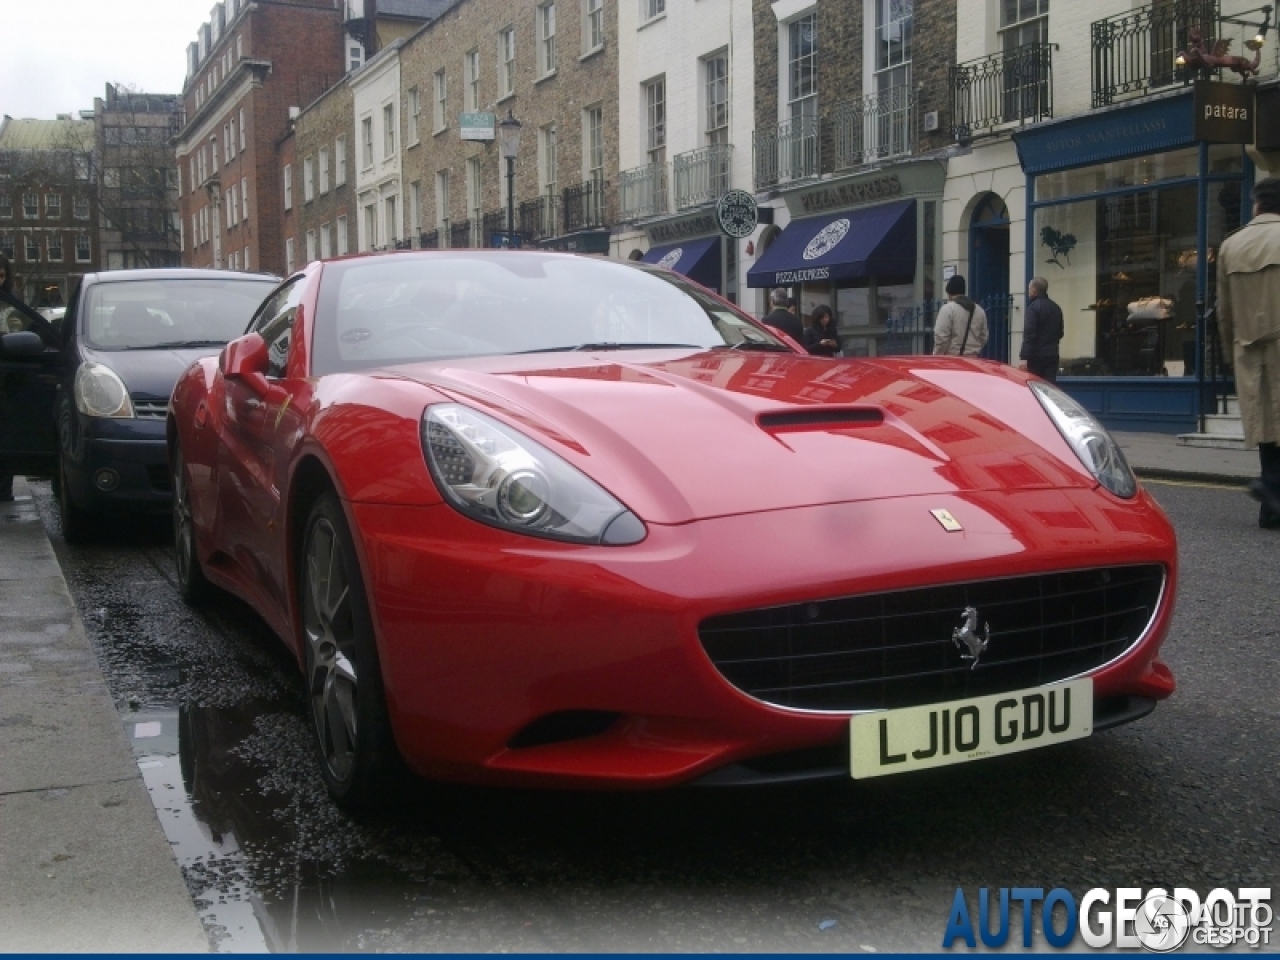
(1134,52)
(540,217)
(642,191)
(702,175)
(1010,87)
(874,128)
(790,151)
(585,205)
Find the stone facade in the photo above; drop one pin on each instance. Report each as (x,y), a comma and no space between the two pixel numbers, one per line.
(544,102)
(324,131)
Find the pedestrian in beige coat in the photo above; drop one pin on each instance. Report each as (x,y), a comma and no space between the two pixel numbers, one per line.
(961,327)
(1249,324)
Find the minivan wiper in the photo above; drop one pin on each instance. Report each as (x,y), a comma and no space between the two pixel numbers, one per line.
(182,345)
(578,347)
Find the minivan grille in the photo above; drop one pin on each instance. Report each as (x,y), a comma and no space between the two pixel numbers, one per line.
(895,649)
(150,409)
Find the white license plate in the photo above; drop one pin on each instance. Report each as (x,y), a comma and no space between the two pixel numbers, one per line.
(934,735)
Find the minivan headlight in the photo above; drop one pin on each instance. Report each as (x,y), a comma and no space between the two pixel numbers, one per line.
(498,476)
(1089,439)
(100,392)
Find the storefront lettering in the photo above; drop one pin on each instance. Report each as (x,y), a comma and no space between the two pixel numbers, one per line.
(801,276)
(1127,131)
(1221,111)
(683,229)
(851,194)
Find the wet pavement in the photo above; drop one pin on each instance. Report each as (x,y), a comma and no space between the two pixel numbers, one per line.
(213,707)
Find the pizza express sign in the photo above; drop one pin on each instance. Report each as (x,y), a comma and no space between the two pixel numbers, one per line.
(1224,112)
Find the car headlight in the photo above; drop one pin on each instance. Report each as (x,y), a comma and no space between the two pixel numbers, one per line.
(100,393)
(501,477)
(1089,439)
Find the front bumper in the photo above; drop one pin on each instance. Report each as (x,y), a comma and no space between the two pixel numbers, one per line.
(485,635)
(119,464)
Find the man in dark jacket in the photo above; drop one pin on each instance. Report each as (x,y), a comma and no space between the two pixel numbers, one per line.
(782,318)
(1041,331)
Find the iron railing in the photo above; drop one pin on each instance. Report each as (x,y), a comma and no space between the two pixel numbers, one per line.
(910,331)
(875,127)
(430,240)
(585,205)
(790,151)
(459,234)
(642,191)
(1134,52)
(493,222)
(1010,87)
(540,217)
(702,175)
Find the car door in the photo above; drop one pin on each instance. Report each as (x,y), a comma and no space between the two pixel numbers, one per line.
(248,491)
(30,364)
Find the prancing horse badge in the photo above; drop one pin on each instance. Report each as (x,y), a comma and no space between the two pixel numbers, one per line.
(949,523)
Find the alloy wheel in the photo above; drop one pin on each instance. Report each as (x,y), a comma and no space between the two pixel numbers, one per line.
(332,683)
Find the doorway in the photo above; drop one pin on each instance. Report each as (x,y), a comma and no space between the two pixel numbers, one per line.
(989,271)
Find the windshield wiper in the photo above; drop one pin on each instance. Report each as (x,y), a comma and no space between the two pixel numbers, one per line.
(182,345)
(756,345)
(578,347)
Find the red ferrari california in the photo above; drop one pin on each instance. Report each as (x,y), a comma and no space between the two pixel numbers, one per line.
(548,520)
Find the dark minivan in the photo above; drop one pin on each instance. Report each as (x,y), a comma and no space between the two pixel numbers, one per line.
(86,403)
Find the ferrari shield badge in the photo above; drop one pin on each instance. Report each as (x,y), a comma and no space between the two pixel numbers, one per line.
(949,523)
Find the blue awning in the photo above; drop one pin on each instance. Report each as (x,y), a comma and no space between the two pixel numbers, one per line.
(699,260)
(854,245)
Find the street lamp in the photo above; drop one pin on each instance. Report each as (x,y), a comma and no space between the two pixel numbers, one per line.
(509,144)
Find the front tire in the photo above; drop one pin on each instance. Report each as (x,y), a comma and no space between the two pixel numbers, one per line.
(77,523)
(193,586)
(343,676)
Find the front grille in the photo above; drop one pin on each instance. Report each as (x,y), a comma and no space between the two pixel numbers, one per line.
(895,649)
(150,409)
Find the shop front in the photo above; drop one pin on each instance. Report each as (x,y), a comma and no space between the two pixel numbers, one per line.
(1126,210)
(696,247)
(864,245)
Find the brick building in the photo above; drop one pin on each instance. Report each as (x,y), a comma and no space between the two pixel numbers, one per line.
(322,133)
(853,122)
(137,177)
(251,63)
(48,213)
(554,67)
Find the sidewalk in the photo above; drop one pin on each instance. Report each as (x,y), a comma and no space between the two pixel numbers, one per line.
(84,863)
(1157,456)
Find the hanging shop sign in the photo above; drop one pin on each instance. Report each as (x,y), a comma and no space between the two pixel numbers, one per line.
(1224,112)
(476,126)
(737,213)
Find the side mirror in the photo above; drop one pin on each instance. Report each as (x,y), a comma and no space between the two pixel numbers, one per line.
(246,360)
(24,343)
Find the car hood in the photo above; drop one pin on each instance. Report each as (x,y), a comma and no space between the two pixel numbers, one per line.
(680,437)
(149,374)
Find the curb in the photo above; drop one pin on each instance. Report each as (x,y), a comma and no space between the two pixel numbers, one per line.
(1191,476)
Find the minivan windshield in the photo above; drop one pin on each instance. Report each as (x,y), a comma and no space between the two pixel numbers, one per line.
(401,308)
(170,313)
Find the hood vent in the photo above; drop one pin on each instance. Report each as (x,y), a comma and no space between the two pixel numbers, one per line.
(823,417)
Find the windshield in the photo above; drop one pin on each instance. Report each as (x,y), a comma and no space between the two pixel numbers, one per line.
(402,308)
(151,314)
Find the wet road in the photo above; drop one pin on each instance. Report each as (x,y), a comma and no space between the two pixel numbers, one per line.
(1190,796)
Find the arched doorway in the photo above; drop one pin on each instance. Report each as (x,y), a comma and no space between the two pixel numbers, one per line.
(989,271)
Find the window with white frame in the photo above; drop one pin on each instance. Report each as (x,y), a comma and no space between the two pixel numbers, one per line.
(650,9)
(324,170)
(715,86)
(195,230)
(308,179)
(244,259)
(545,18)
(288,255)
(592,25)
(370,226)
(54,247)
(213,152)
(474,215)
(326,244)
(439,101)
(288,186)
(442,206)
(355,57)
(340,161)
(53,205)
(506,62)
(388,131)
(415,208)
(33,248)
(311,245)
(413,106)
(593,142)
(655,110)
(893,45)
(244,198)
(1023,22)
(366,142)
(226,141)
(30,206)
(802,68)
(242,130)
(6,245)
(84,252)
(231,150)
(192,165)
(390,208)
(6,207)
(471,81)
(232,207)
(342,237)
(547,160)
